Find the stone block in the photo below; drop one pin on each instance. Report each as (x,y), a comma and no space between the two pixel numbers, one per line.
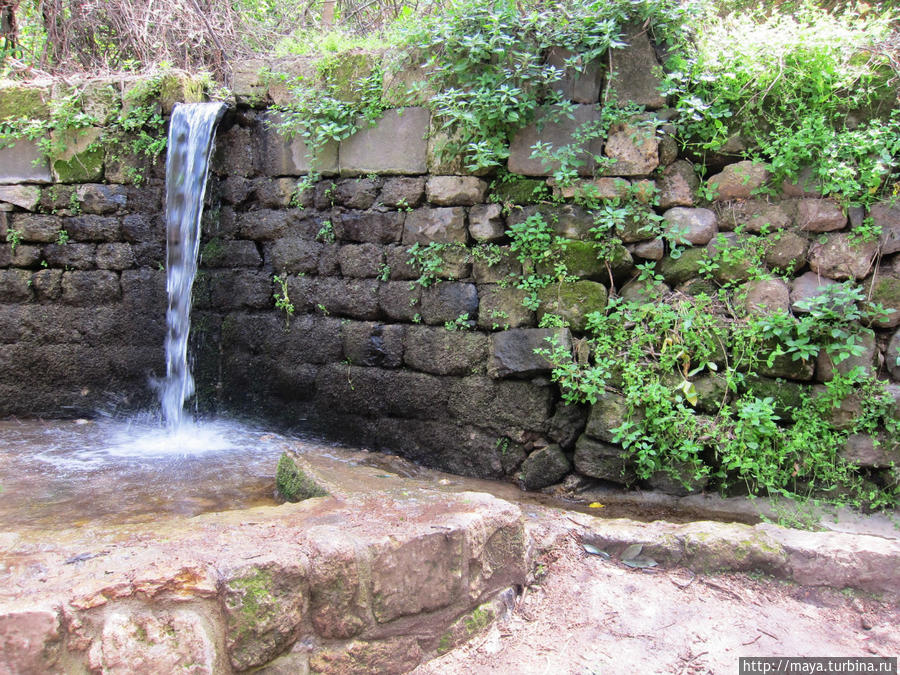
(867,361)
(512,352)
(520,190)
(654,249)
(403,192)
(15,286)
(353,298)
(356,193)
(839,257)
(507,405)
(231,253)
(90,288)
(47,285)
(738,181)
(24,196)
(455,190)
(634,149)
(556,129)
(19,100)
(23,255)
(116,256)
(885,291)
(373,344)
(544,467)
(502,270)
(635,74)
(441,225)
(579,84)
(820,215)
(572,301)
(753,215)
(867,451)
(23,163)
(486,223)
(70,256)
(394,145)
(101,199)
(369,226)
(678,185)
(887,217)
(448,301)
(767,296)
(442,352)
(237,153)
(240,289)
(676,271)
(263,225)
(604,461)
(786,251)
(568,220)
(690,225)
(892,355)
(81,160)
(140,228)
(608,413)
(361,260)
(400,300)
(268,193)
(93,228)
(805,185)
(806,286)
(284,156)
(501,308)
(41,229)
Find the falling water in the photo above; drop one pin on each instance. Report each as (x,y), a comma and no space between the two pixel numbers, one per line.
(191,134)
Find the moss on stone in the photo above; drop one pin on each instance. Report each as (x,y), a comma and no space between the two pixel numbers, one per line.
(19,102)
(293,484)
(345,73)
(573,301)
(522,191)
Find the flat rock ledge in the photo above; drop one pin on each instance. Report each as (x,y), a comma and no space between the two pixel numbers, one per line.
(383,575)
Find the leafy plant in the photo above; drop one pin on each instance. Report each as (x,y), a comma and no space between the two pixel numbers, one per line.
(282,300)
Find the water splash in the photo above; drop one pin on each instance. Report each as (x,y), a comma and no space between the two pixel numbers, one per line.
(191,135)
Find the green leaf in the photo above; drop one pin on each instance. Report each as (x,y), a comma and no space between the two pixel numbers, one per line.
(632,552)
(593,550)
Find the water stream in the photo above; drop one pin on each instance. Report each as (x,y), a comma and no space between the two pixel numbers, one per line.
(191,134)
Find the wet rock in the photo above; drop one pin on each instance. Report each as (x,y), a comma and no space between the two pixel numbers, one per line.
(70,256)
(24,196)
(678,185)
(601,460)
(90,288)
(264,604)
(820,215)
(544,467)
(442,352)
(609,412)
(512,351)
(293,483)
(441,225)
(449,301)
(691,226)
(839,257)
(218,253)
(490,403)
(739,181)
(455,190)
(373,344)
(154,642)
(353,298)
(28,640)
(486,223)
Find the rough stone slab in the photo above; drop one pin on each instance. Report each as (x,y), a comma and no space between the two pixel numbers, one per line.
(82,159)
(820,215)
(444,225)
(678,185)
(283,156)
(544,467)
(581,85)
(449,301)
(766,296)
(28,638)
(354,298)
(486,223)
(369,226)
(806,286)
(512,351)
(558,133)
(885,291)
(609,412)
(361,260)
(237,253)
(887,217)
(485,402)
(635,150)
(501,308)
(602,460)
(455,190)
(753,215)
(786,250)
(24,163)
(693,226)
(373,344)
(738,181)
(442,352)
(841,258)
(635,74)
(24,196)
(395,145)
(403,192)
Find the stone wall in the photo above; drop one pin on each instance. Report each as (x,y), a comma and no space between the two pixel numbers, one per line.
(366,354)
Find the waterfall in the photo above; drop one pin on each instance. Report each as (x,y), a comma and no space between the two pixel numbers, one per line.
(191,134)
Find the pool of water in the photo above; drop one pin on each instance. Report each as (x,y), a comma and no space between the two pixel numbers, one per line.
(67,473)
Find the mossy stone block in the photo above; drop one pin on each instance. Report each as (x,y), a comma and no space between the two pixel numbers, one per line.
(18,102)
(180,88)
(82,157)
(522,191)
(294,484)
(573,301)
(346,73)
(687,266)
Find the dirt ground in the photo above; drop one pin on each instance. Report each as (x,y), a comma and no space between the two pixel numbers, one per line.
(588,615)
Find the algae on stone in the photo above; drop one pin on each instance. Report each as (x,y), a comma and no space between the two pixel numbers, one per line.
(293,484)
